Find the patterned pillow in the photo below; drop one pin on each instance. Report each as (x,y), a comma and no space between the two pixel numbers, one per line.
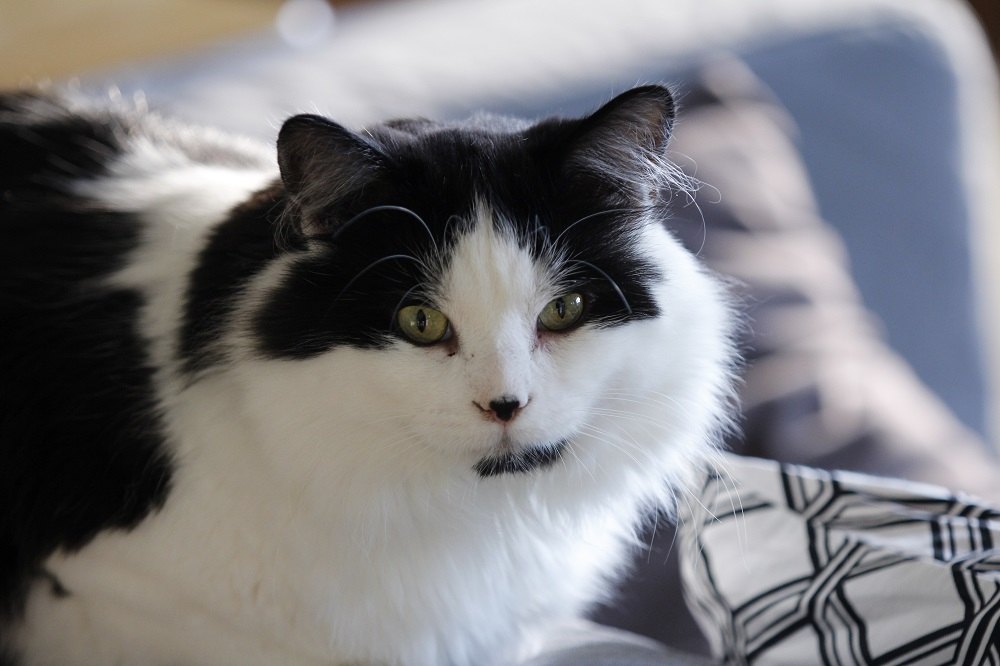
(791,565)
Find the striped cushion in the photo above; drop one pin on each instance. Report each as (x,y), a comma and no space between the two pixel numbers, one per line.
(791,565)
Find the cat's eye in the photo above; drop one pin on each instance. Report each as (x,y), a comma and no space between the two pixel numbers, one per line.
(423,325)
(562,313)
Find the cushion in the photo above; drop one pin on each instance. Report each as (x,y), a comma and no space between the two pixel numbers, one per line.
(792,565)
(583,643)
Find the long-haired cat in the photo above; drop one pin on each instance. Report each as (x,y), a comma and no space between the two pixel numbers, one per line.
(400,396)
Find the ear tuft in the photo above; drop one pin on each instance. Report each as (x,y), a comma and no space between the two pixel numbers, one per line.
(321,162)
(625,141)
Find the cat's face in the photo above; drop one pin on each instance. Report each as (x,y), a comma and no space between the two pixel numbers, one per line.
(531,367)
(503,298)
(521,356)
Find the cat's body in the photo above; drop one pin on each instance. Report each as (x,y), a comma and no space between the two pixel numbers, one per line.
(219,444)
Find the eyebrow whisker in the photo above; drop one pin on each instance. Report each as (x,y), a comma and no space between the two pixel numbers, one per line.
(614,285)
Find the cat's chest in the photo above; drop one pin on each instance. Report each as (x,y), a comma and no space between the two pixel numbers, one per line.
(265,579)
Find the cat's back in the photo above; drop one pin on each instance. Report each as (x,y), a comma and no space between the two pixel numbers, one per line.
(63,331)
(89,192)
(54,238)
(81,178)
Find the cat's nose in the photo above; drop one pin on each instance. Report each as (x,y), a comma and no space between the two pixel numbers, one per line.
(504,408)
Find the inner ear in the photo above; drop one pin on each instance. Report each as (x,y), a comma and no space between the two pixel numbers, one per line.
(625,141)
(321,163)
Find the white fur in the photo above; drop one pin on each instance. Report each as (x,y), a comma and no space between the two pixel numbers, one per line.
(326,511)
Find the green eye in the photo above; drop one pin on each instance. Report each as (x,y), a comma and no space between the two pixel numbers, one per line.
(562,313)
(423,325)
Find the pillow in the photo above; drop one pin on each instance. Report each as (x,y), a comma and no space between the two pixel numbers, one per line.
(582,643)
(790,565)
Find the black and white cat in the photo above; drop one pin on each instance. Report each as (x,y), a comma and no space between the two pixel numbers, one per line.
(400,397)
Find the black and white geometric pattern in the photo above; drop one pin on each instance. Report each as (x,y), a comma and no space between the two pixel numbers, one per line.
(791,565)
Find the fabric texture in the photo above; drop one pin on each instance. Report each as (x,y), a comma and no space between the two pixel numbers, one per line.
(793,565)
(583,643)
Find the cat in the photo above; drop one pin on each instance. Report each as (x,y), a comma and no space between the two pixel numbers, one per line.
(401,396)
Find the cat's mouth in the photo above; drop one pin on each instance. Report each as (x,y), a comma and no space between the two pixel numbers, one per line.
(519,462)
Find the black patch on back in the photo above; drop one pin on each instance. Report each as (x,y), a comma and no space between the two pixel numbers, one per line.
(40,151)
(81,448)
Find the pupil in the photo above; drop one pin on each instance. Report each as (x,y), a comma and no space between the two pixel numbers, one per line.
(561,308)
(421,321)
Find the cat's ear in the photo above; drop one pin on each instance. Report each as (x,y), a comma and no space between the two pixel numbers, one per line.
(625,141)
(321,162)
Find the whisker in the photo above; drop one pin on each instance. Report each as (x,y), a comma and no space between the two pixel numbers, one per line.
(665,409)
(614,285)
(377,209)
(725,476)
(646,396)
(372,265)
(585,218)
(617,444)
(452,219)
(401,304)
(583,466)
(647,401)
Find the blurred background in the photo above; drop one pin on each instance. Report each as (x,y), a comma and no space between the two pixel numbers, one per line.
(56,39)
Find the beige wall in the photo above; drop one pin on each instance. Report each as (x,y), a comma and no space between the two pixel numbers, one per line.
(56,39)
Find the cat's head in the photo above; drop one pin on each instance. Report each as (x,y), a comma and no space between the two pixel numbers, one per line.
(498,296)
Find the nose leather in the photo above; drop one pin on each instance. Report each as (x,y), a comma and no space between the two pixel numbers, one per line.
(505,408)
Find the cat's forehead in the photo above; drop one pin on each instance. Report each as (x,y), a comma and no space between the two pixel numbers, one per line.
(479,156)
(453,176)
(492,269)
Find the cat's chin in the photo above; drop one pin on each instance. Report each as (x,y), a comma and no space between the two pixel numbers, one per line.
(526,459)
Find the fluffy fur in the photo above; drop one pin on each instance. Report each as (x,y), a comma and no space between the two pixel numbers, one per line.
(218,446)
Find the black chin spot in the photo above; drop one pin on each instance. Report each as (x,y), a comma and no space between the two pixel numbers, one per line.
(520,462)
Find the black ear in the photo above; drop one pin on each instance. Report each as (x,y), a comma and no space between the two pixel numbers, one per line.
(321,162)
(625,141)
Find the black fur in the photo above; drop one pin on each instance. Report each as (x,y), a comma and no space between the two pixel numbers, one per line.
(39,153)
(80,443)
(237,249)
(520,462)
(412,184)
